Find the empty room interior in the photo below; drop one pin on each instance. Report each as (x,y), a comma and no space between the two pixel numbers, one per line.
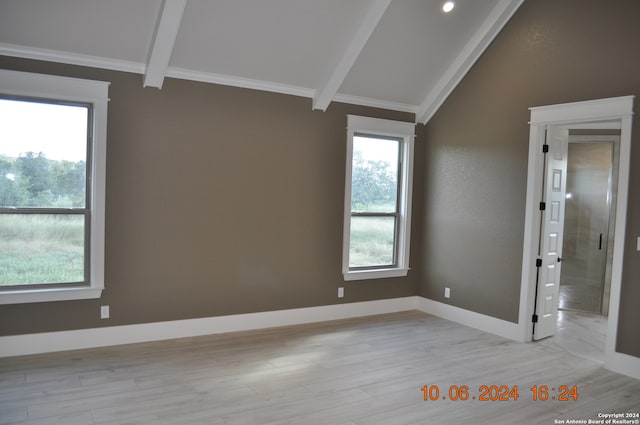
(319,212)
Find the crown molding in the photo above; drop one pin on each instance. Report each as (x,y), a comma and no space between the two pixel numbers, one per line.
(188,74)
(48,55)
(375,103)
(247,83)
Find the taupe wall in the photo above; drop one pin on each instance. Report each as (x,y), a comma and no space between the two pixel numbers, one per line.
(476,150)
(220,200)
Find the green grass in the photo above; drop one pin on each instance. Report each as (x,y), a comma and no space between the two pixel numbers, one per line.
(371,241)
(41,248)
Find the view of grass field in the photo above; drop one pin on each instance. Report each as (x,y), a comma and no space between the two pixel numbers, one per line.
(371,241)
(41,248)
(43,178)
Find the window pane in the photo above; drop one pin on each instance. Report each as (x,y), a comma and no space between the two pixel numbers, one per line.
(372,241)
(374,183)
(41,248)
(43,152)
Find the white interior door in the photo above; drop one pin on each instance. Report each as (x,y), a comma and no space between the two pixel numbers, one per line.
(552,232)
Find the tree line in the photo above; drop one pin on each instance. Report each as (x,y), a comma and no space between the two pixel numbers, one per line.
(33,180)
(373,185)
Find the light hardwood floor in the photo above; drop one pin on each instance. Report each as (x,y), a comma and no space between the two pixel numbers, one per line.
(349,372)
(582,334)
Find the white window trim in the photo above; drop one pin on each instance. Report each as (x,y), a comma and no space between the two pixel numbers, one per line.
(396,129)
(78,90)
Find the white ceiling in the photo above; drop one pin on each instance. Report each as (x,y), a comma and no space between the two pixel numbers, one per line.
(404,55)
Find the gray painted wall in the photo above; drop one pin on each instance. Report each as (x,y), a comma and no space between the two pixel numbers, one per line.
(476,150)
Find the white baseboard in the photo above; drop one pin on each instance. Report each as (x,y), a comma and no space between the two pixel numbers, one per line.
(469,318)
(616,362)
(17,345)
(624,364)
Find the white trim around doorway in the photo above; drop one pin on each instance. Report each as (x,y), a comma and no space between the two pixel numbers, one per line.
(618,112)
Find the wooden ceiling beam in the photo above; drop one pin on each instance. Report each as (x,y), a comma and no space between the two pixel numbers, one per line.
(164,39)
(324,95)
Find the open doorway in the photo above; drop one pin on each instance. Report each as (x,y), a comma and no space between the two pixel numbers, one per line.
(589,220)
(588,240)
(542,262)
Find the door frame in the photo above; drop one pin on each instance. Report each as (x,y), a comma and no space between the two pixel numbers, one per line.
(615,112)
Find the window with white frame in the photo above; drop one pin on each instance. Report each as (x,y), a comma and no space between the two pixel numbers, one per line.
(52,183)
(377,216)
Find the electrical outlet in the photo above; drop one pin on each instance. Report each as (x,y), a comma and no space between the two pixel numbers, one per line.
(104,312)
(340,292)
(447,292)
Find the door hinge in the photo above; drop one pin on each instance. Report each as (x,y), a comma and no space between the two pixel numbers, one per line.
(538,262)
(543,206)
(534,319)
(545,148)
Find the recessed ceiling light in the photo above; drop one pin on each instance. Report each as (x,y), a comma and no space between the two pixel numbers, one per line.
(448,6)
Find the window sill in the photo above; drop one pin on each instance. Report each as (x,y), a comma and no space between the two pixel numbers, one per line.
(374,274)
(50,294)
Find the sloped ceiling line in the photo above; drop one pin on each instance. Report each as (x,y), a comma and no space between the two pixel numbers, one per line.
(164,39)
(15,41)
(489,29)
(326,93)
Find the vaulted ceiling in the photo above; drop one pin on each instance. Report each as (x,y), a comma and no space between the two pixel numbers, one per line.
(403,55)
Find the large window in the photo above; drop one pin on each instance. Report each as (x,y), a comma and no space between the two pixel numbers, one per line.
(52,146)
(377,198)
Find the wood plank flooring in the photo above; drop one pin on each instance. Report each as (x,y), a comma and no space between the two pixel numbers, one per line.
(582,334)
(348,372)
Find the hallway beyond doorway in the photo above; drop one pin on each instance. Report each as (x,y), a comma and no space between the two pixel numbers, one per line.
(581,334)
